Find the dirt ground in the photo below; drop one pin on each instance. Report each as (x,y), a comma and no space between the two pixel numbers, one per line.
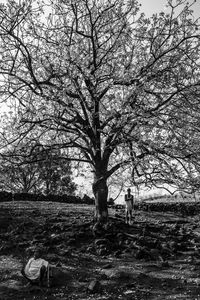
(112,266)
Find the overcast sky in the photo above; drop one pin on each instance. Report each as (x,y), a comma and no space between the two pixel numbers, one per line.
(152,6)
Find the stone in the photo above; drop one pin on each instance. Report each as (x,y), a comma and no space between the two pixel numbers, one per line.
(117,253)
(102,251)
(172,244)
(100,242)
(23,244)
(127,242)
(120,235)
(55,238)
(117,274)
(107,266)
(90,249)
(51,257)
(197,281)
(126,255)
(94,286)
(63,252)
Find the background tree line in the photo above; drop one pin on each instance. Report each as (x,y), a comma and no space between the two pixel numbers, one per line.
(36,170)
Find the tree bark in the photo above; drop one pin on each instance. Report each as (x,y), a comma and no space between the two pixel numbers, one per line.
(100,190)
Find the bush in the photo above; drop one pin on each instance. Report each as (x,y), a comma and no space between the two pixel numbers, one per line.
(87,200)
(6,196)
(183,208)
(111,201)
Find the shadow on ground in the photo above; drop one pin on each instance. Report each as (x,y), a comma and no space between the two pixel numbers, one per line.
(95,266)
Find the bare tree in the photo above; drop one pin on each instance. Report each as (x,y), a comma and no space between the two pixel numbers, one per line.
(117,89)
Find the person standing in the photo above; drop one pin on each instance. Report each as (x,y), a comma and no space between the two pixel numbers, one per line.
(129,206)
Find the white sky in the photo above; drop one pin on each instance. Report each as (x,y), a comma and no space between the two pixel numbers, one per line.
(152,6)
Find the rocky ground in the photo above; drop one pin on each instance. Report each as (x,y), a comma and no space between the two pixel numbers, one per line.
(157,257)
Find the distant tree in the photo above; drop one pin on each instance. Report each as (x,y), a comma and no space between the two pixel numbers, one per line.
(55,173)
(31,169)
(17,177)
(119,90)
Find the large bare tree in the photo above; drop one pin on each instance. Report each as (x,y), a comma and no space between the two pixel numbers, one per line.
(118,89)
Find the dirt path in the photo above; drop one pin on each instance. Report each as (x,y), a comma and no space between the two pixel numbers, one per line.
(97,270)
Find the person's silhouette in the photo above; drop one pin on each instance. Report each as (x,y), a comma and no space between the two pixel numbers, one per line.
(129,206)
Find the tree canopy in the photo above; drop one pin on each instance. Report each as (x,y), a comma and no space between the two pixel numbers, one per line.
(117,89)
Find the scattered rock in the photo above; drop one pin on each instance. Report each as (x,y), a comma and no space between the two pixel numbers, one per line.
(94,286)
(100,242)
(102,251)
(90,249)
(64,252)
(52,257)
(107,266)
(117,274)
(197,281)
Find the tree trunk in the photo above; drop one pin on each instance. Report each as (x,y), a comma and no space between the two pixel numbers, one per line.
(100,190)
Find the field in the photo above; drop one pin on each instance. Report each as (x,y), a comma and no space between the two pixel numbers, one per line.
(157,257)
